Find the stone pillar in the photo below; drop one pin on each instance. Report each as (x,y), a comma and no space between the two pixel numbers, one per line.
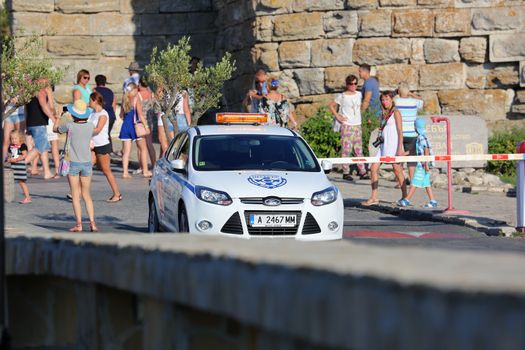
(9,185)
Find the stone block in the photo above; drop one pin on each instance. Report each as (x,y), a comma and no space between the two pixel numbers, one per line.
(417,54)
(310,81)
(452,22)
(139,6)
(163,24)
(27,23)
(332,52)
(397,3)
(473,49)
(413,23)
(435,3)
(203,23)
(496,19)
(520,96)
(340,24)
(76,24)
(73,46)
(334,77)
(316,5)
(518,109)
(83,6)
(478,3)
(375,23)
(288,86)
(114,24)
(442,76)
(118,46)
(522,73)
(392,74)
(430,102)
(441,50)
(273,7)
(490,76)
(185,5)
(294,54)
(361,4)
(507,47)
(298,26)
(265,55)
(308,107)
(381,51)
(32,6)
(263,28)
(488,104)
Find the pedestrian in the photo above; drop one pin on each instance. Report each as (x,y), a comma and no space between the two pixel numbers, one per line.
(101,141)
(132,111)
(110,102)
(82,90)
(408,105)
(52,136)
(390,142)
(349,115)
(277,107)
(17,153)
(38,114)
(79,134)
(16,121)
(147,100)
(369,91)
(421,178)
(260,89)
(134,71)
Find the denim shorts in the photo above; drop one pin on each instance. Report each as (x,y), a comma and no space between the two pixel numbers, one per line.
(16,118)
(82,169)
(39,134)
(181,122)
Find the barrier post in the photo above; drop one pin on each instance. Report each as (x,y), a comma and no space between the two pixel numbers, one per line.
(450,209)
(520,189)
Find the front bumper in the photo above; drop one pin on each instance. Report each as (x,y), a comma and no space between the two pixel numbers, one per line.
(233,220)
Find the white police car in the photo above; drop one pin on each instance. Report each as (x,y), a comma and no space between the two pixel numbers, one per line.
(244,180)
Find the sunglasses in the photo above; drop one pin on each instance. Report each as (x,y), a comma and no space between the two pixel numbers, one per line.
(352,83)
(85,78)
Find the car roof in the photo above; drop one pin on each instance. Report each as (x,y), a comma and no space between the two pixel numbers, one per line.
(241,130)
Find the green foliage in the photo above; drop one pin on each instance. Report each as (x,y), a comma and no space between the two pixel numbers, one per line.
(4,22)
(504,142)
(26,70)
(317,131)
(369,123)
(169,72)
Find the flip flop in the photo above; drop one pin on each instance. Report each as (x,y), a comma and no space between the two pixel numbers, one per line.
(111,200)
(369,203)
(76,228)
(127,177)
(25,201)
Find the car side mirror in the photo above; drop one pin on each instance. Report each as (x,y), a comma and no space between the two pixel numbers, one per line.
(326,166)
(178,165)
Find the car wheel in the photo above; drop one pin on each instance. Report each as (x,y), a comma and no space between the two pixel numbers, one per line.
(183,220)
(153,218)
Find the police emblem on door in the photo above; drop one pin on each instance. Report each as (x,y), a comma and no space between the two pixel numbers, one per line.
(267,181)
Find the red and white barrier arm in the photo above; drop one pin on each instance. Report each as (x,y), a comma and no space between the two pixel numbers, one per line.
(434,158)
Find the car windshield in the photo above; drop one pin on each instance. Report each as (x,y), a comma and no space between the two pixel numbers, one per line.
(253,152)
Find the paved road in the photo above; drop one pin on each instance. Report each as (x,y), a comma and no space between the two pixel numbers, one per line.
(51,212)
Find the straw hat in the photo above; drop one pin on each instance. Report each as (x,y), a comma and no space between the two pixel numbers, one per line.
(79,109)
(134,66)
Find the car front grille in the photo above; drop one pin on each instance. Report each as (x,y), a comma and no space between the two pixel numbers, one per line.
(260,200)
(310,226)
(233,225)
(272,231)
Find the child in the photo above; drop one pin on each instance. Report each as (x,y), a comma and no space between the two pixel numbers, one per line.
(17,154)
(421,176)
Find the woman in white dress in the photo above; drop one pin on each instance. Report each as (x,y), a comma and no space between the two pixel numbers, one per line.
(391,131)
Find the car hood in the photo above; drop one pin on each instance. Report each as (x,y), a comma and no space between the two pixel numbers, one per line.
(263,183)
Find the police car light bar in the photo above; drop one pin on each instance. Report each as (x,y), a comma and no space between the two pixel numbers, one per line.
(241,118)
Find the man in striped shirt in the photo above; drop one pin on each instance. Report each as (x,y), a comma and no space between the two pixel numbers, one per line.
(408,105)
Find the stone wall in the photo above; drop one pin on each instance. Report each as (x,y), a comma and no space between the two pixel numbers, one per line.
(462,56)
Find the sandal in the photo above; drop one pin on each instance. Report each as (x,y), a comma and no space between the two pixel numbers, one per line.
(25,200)
(93,226)
(126,177)
(114,199)
(364,176)
(403,202)
(369,202)
(76,228)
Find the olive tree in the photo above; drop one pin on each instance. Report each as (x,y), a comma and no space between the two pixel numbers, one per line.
(25,70)
(168,71)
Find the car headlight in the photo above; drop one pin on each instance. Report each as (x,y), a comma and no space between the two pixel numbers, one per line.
(326,196)
(212,196)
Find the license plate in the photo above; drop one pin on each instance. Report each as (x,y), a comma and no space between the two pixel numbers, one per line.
(273,220)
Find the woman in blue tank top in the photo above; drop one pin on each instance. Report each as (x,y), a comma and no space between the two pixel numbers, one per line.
(81,90)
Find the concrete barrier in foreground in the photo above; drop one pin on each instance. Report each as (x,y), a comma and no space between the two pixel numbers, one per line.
(183,292)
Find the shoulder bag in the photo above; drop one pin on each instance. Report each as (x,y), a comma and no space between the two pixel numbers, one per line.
(140,129)
(63,167)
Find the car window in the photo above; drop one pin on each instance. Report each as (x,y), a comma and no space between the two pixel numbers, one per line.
(253,152)
(184,149)
(173,150)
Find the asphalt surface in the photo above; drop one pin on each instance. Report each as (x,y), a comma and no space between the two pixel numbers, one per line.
(51,212)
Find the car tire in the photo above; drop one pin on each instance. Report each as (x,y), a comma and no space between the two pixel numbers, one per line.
(153,218)
(183,220)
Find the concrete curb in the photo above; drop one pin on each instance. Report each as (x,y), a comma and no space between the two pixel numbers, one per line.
(487,226)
